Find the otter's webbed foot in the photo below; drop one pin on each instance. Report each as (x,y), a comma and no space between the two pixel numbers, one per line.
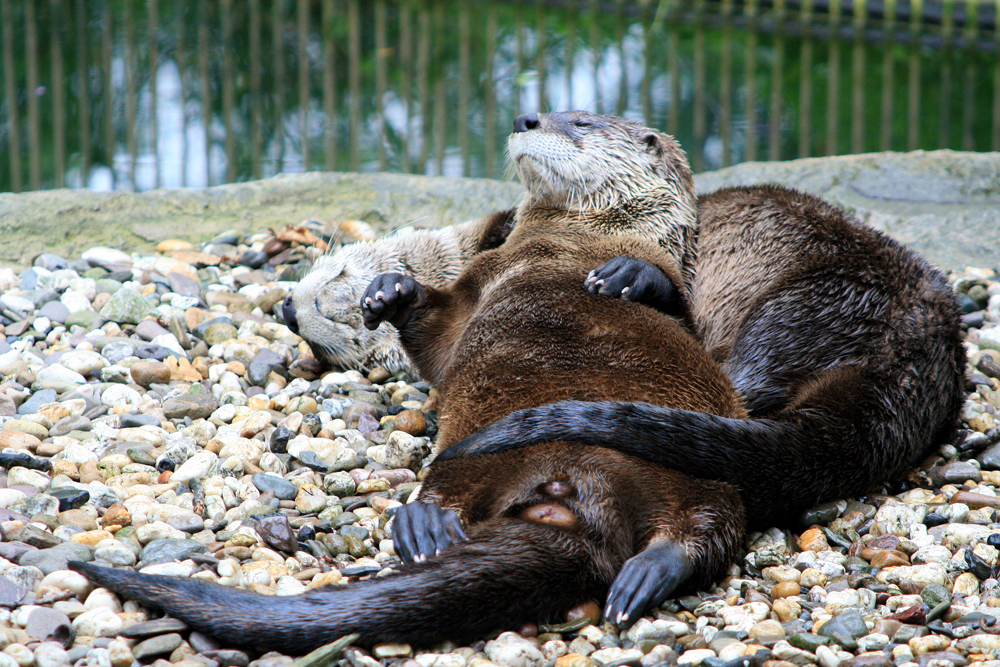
(645,581)
(422,530)
(637,280)
(389,298)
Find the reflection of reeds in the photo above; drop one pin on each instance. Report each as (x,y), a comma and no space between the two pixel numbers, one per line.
(429,86)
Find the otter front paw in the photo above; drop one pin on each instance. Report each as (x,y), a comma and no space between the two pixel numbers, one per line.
(421,531)
(389,298)
(645,581)
(631,279)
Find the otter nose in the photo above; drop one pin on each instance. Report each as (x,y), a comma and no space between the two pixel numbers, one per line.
(525,122)
(288,312)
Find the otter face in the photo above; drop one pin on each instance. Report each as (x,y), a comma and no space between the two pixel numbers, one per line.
(324,309)
(585,161)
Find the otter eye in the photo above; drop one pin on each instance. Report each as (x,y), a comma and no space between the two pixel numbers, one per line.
(583,123)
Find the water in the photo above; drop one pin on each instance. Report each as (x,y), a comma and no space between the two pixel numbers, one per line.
(168,93)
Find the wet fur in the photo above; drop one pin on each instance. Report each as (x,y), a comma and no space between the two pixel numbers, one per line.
(845,344)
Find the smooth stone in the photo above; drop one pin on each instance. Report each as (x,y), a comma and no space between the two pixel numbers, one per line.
(46,624)
(159,645)
(36,401)
(202,327)
(84,362)
(277,532)
(148,372)
(41,503)
(845,627)
(868,660)
(51,262)
(87,319)
(67,425)
(149,329)
(133,420)
(57,558)
(55,311)
(151,628)
(127,307)
(104,256)
(168,549)
(198,466)
(120,396)
(70,498)
(189,523)
(51,654)
(219,332)
(283,490)
(118,350)
(195,406)
(183,285)
(10,593)
(956,473)
(154,352)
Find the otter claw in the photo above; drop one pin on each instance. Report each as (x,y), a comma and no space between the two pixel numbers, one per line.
(631,279)
(390,297)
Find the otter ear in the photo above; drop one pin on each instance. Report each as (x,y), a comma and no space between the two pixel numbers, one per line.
(654,145)
(674,160)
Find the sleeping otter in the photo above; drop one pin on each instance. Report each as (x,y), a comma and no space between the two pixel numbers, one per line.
(524,535)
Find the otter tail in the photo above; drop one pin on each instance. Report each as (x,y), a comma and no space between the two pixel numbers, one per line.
(509,573)
(841,441)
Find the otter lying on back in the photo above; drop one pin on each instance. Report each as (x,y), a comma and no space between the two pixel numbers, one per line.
(525,535)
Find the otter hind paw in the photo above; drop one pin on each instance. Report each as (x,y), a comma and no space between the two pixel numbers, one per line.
(422,530)
(645,581)
(631,279)
(389,298)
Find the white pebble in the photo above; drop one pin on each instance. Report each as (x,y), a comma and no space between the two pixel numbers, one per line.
(99,622)
(513,650)
(51,654)
(68,580)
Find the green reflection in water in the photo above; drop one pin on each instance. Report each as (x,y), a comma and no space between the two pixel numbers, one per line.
(138,95)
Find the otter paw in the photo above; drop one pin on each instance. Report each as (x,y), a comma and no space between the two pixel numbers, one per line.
(645,581)
(421,531)
(631,279)
(389,298)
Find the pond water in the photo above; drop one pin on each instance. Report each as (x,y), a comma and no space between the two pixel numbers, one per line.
(138,95)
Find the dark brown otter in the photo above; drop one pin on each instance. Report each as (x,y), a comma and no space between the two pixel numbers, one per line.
(845,344)
(548,526)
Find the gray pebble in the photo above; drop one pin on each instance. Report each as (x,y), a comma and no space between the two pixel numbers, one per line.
(189,523)
(155,646)
(283,489)
(169,549)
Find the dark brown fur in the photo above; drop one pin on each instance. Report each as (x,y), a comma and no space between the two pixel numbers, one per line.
(845,344)
(548,526)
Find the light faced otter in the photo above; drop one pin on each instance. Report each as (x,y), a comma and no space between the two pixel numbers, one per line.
(524,535)
(324,304)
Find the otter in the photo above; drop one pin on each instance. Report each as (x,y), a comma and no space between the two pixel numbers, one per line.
(845,344)
(324,304)
(523,535)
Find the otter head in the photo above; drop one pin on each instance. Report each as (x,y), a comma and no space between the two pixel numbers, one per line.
(323,309)
(583,161)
